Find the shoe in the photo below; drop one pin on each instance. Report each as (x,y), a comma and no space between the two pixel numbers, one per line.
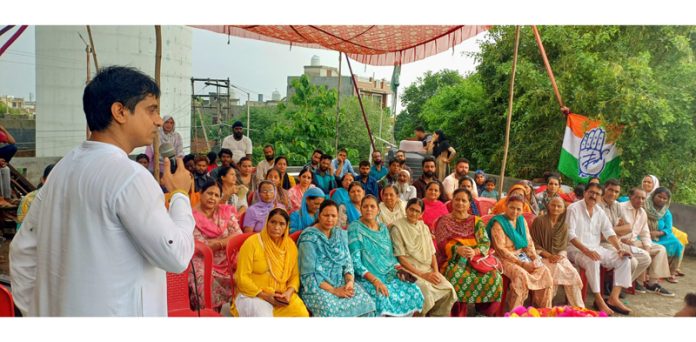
(657,289)
(618,310)
(639,288)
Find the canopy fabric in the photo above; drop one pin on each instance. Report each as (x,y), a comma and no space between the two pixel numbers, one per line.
(367,44)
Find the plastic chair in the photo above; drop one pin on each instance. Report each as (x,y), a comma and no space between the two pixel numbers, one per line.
(7,308)
(484,205)
(503,299)
(486,219)
(250,197)
(449,206)
(296,235)
(233,246)
(178,304)
(241,221)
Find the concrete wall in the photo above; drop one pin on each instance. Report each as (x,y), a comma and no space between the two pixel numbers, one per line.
(23,130)
(33,167)
(684,217)
(61,76)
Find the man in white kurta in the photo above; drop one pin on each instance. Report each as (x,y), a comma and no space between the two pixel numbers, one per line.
(98,239)
(587,223)
(641,259)
(639,236)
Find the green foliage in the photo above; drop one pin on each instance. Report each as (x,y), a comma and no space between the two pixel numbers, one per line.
(415,96)
(308,122)
(638,77)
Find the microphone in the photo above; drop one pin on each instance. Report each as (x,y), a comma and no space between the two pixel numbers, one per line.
(166,150)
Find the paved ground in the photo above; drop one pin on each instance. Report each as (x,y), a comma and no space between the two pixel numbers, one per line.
(643,305)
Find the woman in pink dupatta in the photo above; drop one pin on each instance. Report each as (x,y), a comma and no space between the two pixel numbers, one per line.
(215,224)
(434,208)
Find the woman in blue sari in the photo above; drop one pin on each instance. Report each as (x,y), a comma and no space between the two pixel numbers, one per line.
(305,217)
(326,270)
(350,211)
(660,223)
(376,266)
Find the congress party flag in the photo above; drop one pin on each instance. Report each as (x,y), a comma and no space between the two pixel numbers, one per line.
(588,150)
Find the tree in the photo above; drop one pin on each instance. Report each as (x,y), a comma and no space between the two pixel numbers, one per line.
(415,96)
(640,78)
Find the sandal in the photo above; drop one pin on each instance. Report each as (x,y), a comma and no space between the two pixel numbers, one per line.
(679,273)
(672,280)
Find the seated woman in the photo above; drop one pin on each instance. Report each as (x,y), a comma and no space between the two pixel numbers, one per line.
(306,216)
(340,196)
(233,193)
(403,185)
(661,231)
(460,236)
(297,192)
(265,201)
(275,177)
(515,190)
(413,247)
(350,211)
(553,190)
(468,183)
(529,196)
(392,207)
(287,181)
(434,209)
(550,235)
(216,223)
(376,267)
(521,263)
(267,276)
(326,269)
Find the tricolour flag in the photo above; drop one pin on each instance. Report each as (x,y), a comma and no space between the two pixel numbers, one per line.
(588,151)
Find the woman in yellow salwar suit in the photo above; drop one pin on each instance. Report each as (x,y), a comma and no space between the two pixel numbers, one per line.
(267,276)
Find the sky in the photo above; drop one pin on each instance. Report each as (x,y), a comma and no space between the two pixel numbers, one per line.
(257,66)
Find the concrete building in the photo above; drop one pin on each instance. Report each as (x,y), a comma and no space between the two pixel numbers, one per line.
(61,75)
(378,91)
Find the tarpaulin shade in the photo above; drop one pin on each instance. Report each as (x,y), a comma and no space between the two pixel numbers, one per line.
(367,44)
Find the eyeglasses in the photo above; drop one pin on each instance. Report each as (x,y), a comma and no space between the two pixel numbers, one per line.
(413,210)
(593,193)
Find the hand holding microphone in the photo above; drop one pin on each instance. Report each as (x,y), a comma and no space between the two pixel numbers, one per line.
(175,176)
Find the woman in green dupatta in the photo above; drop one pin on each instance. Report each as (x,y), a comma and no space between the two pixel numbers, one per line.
(376,266)
(521,263)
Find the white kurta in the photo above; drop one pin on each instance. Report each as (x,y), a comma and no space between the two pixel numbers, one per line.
(97,239)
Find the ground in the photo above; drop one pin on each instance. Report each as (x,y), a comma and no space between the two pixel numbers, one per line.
(643,305)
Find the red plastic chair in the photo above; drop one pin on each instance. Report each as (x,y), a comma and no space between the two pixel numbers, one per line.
(448,204)
(486,219)
(296,235)
(241,221)
(250,197)
(484,205)
(503,299)
(233,246)
(529,217)
(178,290)
(7,308)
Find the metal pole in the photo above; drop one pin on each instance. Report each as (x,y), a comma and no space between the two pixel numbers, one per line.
(158,66)
(362,108)
(509,116)
(338,97)
(248,116)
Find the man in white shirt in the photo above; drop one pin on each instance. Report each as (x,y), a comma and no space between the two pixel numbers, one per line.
(98,238)
(451,182)
(238,143)
(586,225)
(265,165)
(641,259)
(639,236)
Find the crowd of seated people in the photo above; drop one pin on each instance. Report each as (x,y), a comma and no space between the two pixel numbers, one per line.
(378,243)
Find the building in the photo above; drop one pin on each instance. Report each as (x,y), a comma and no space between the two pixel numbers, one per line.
(61,76)
(377,91)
